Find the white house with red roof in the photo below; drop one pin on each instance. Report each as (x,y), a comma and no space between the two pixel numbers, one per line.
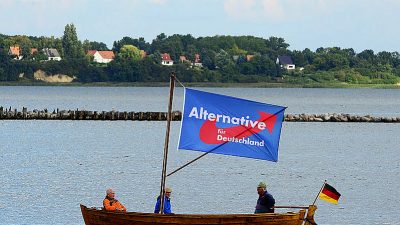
(101,56)
(166,60)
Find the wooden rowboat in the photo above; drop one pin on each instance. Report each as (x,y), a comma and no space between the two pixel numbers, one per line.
(96,216)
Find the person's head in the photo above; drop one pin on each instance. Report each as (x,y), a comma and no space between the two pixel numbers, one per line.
(261,187)
(168,192)
(110,193)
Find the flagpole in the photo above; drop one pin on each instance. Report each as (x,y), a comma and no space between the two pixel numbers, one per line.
(188,163)
(164,169)
(319,193)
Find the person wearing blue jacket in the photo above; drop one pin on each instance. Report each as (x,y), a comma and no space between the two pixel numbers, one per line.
(167,202)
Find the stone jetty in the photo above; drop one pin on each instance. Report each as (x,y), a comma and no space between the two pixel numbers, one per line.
(56,114)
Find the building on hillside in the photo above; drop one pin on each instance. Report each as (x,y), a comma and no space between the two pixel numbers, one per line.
(15,51)
(183,59)
(33,51)
(52,54)
(143,54)
(285,62)
(166,60)
(101,56)
(91,52)
(197,61)
(249,58)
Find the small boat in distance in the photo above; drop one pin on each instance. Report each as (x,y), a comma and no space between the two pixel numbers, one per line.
(260,123)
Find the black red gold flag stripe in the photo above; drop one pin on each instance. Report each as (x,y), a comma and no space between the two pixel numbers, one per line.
(329,194)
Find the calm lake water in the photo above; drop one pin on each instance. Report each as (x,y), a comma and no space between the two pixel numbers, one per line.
(49,167)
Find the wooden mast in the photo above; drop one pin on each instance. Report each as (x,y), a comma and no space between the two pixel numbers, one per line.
(165,159)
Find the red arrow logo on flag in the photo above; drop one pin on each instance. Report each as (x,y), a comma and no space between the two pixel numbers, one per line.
(209,130)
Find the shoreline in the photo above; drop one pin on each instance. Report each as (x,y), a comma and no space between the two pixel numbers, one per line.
(211,84)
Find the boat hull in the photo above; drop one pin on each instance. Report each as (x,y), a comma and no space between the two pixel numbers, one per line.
(93,216)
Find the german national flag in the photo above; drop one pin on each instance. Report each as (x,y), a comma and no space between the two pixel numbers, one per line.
(329,194)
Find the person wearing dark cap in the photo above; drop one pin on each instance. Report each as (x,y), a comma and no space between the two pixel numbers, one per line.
(265,202)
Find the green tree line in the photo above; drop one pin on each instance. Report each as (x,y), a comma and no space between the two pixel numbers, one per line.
(224,59)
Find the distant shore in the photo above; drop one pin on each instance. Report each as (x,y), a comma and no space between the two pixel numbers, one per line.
(210,84)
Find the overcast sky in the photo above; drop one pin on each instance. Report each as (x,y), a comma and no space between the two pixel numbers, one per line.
(357,24)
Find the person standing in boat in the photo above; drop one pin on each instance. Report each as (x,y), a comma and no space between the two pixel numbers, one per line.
(167,202)
(266,201)
(112,204)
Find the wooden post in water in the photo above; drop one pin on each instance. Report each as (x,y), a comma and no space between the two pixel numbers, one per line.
(24,112)
(164,169)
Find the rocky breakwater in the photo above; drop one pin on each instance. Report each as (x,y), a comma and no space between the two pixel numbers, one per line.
(25,114)
(56,114)
(337,117)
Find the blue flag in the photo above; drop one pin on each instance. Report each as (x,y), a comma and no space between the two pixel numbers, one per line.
(231,126)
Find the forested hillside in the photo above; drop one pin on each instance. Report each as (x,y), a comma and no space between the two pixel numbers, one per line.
(241,59)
